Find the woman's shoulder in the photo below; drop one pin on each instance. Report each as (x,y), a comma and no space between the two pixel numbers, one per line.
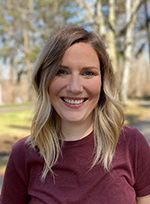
(21,144)
(129,130)
(133,155)
(130,134)
(22,149)
(132,138)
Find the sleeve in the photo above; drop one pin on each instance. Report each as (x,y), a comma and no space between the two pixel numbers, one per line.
(14,188)
(142,184)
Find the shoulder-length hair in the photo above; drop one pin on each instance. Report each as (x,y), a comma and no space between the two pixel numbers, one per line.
(108,115)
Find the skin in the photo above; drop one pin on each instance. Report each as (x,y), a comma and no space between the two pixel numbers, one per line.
(75,90)
(143,200)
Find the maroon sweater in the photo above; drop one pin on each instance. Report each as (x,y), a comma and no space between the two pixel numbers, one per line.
(74,182)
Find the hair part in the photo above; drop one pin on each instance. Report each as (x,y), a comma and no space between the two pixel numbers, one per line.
(108,115)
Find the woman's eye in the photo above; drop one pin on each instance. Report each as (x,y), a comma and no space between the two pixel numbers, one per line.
(88,73)
(61,72)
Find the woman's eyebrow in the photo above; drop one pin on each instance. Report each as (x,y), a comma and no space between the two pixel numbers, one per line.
(90,67)
(82,68)
(64,66)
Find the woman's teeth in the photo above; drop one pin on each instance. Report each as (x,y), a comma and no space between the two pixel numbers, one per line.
(75,102)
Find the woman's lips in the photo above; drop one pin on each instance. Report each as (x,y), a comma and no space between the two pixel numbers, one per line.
(73,101)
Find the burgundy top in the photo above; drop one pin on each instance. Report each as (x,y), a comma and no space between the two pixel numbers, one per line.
(74,182)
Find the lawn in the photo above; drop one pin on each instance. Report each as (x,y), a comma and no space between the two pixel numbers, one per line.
(13,126)
(134,112)
(16,123)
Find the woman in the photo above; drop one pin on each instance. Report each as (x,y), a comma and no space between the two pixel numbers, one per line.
(78,152)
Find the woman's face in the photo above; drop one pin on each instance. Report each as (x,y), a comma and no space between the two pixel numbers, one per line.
(75,90)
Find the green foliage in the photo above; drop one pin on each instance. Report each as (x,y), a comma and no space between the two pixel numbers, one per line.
(26,25)
(34,53)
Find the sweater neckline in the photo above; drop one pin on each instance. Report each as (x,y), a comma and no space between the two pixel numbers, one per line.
(81,141)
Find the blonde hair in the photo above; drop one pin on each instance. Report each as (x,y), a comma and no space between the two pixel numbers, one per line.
(108,115)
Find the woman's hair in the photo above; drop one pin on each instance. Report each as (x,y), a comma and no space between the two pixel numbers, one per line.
(108,115)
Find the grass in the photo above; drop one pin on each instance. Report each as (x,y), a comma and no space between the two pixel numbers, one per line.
(16,104)
(134,112)
(16,124)
(3,162)
(13,126)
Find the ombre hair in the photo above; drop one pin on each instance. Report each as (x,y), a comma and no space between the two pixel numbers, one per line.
(108,115)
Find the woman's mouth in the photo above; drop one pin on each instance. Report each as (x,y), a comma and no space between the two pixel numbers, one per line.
(73,101)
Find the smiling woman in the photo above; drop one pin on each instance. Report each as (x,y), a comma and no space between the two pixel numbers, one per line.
(75,90)
(78,151)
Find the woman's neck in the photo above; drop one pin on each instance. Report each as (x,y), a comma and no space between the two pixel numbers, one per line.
(75,131)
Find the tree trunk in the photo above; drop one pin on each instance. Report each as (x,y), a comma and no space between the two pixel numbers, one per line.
(26,40)
(147,28)
(11,79)
(28,63)
(130,9)
(99,19)
(1,94)
(111,34)
(106,32)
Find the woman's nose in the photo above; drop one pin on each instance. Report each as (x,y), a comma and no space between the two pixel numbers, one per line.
(75,85)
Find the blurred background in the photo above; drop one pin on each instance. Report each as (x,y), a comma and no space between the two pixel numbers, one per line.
(124,26)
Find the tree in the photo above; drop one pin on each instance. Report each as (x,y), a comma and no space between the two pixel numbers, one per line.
(130,7)
(147,24)
(101,15)
(116,22)
(28,25)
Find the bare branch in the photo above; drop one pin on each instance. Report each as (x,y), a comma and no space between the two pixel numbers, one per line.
(137,5)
